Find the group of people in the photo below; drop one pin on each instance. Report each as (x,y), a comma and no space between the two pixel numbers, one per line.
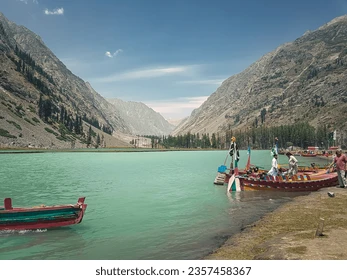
(339,162)
(293,165)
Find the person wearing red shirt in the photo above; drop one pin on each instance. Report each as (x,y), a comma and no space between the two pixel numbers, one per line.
(340,161)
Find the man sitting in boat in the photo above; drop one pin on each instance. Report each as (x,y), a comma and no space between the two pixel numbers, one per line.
(274,166)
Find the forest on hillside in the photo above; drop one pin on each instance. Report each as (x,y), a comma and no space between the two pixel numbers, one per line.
(262,137)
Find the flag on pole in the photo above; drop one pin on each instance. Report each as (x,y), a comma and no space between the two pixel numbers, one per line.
(234,181)
(248,165)
(236,169)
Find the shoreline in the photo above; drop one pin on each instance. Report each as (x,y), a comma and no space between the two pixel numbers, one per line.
(93,150)
(289,232)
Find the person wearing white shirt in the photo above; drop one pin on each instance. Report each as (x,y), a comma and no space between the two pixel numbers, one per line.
(274,166)
(293,164)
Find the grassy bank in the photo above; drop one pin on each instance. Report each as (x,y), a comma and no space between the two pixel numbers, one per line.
(290,231)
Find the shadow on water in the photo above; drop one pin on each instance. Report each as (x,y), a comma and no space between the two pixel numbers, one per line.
(58,243)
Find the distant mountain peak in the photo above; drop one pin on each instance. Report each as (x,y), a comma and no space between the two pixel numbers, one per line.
(339,19)
(141,119)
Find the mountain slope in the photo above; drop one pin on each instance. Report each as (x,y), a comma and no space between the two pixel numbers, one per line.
(32,76)
(304,80)
(34,79)
(141,119)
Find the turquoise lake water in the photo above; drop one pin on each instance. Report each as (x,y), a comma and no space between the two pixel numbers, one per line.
(146,205)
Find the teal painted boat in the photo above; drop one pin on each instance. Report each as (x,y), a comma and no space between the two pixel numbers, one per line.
(41,217)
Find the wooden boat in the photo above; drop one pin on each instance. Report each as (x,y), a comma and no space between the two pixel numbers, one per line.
(310,178)
(308,155)
(41,217)
(297,183)
(307,179)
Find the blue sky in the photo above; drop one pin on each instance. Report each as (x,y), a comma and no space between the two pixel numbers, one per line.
(168,54)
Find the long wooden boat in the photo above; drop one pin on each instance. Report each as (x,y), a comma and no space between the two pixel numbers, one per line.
(307,179)
(41,217)
(308,155)
(297,183)
(310,178)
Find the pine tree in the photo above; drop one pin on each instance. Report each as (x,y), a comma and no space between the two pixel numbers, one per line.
(89,136)
(40,107)
(98,140)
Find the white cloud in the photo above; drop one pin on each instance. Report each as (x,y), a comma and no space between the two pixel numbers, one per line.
(176,108)
(59,11)
(114,54)
(26,1)
(203,82)
(145,73)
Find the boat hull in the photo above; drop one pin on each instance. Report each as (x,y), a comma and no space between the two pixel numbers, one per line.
(42,217)
(329,180)
(305,182)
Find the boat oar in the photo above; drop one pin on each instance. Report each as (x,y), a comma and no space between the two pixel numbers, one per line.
(234,184)
(230,183)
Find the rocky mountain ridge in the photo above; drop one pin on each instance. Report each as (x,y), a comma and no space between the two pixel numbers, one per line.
(304,80)
(35,84)
(141,120)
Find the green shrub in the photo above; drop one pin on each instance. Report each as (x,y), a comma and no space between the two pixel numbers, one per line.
(35,120)
(51,131)
(5,133)
(61,138)
(32,109)
(15,124)
(29,121)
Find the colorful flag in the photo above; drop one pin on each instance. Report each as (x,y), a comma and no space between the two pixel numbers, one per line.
(248,165)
